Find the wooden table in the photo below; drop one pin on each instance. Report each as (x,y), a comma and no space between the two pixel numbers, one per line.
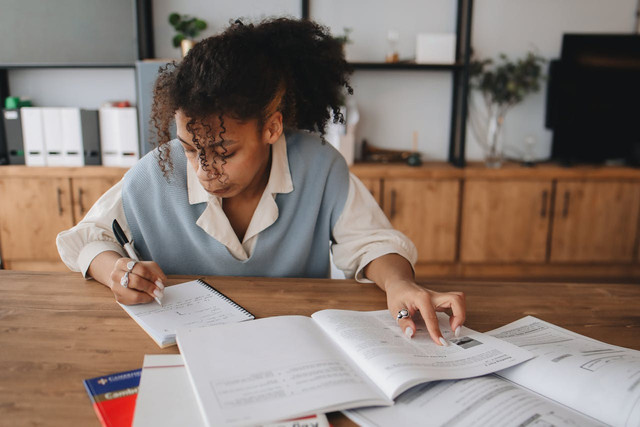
(57,329)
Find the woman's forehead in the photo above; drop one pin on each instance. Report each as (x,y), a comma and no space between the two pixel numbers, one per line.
(213,120)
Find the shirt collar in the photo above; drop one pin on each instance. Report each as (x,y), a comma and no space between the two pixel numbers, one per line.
(279,177)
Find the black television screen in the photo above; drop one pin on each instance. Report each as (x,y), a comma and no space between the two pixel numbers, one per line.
(593,99)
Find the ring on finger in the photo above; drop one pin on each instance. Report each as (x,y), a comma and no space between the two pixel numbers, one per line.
(131,264)
(402,314)
(124,281)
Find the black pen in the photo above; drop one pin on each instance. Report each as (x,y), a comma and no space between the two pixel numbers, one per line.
(128,246)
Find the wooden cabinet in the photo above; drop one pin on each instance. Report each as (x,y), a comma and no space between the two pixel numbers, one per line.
(595,221)
(505,221)
(38,203)
(426,210)
(32,212)
(514,222)
(86,191)
(547,221)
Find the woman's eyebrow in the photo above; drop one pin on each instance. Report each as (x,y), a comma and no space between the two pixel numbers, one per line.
(226,142)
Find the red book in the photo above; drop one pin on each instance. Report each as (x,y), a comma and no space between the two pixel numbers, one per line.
(114,397)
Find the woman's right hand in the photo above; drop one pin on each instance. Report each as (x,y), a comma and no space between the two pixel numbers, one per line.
(137,285)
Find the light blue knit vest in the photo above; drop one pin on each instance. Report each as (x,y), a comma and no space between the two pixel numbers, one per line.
(163,223)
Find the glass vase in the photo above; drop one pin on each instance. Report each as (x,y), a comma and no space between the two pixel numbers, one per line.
(493,155)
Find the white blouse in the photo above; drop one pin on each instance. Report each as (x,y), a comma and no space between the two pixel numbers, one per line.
(361,234)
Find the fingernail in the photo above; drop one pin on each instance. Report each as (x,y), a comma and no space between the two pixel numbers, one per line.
(408,332)
(444,342)
(159,284)
(158,293)
(457,332)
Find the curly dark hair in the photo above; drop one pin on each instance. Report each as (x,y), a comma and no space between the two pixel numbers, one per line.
(242,72)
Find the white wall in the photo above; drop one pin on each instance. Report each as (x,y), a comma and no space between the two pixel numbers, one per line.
(73,87)
(392,104)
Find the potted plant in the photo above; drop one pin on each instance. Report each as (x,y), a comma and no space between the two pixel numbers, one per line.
(188,28)
(503,84)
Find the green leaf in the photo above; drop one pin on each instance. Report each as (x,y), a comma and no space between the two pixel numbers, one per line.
(177,39)
(174,18)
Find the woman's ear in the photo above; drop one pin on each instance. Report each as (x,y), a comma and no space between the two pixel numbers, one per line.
(272,128)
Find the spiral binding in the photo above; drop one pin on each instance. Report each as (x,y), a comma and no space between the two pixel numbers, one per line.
(226,298)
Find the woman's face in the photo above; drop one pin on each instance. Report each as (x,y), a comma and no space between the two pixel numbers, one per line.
(243,168)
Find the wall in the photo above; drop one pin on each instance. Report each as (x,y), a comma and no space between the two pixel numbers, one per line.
(392,104)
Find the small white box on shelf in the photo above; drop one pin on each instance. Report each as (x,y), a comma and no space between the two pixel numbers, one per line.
(436,48)
(119,136)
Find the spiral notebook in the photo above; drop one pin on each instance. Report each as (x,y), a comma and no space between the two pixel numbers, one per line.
(191,304)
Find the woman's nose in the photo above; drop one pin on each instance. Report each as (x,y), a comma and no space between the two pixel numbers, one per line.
(208,171)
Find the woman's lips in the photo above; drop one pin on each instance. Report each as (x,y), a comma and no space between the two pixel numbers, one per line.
(220,191)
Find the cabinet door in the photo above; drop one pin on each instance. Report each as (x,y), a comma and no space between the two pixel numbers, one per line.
(32,212)
(427,212)
(375,188)
(505,221)
(595,221)
(86,191)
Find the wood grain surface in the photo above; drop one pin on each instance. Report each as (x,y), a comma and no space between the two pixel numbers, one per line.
(57,329)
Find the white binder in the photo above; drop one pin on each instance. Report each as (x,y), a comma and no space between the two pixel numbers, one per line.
(33,136)
(72,142)
(53,138)
(119,136)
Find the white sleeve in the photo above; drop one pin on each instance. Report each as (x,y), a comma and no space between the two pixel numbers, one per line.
(93,235)
(363,233)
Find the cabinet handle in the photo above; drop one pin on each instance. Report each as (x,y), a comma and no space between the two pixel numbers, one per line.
(80,193)
(392,213)
(565,206)
(543,210)
(59,201)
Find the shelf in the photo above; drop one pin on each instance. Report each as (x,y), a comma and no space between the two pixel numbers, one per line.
(404,66)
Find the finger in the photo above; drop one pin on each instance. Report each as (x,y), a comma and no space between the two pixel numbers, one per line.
(456,302)
(149,273)
(406,324)
(132,296)
(144,285)
(128,296)
(135,282)
(428,313)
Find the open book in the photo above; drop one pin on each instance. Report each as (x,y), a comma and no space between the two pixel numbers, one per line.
(190,304)
(573,381)
(290,366)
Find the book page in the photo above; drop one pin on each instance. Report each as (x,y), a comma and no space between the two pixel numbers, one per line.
(598,379)
(395,363)
(166,398)
(189,304)
(271,369)
(483,401)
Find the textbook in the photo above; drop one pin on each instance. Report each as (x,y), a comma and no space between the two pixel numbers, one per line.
(114,397)
(572,381)
(190,304)
(165,397)
(290,366)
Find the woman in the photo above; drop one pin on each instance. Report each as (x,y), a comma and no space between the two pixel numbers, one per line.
(246,188)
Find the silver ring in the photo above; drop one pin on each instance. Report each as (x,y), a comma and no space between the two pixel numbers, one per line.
(403,314)
(131,264)
(124,281)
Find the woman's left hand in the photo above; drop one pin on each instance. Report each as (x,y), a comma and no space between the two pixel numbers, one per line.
(404,294)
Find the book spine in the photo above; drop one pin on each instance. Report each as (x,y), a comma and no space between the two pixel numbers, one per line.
(226,298)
